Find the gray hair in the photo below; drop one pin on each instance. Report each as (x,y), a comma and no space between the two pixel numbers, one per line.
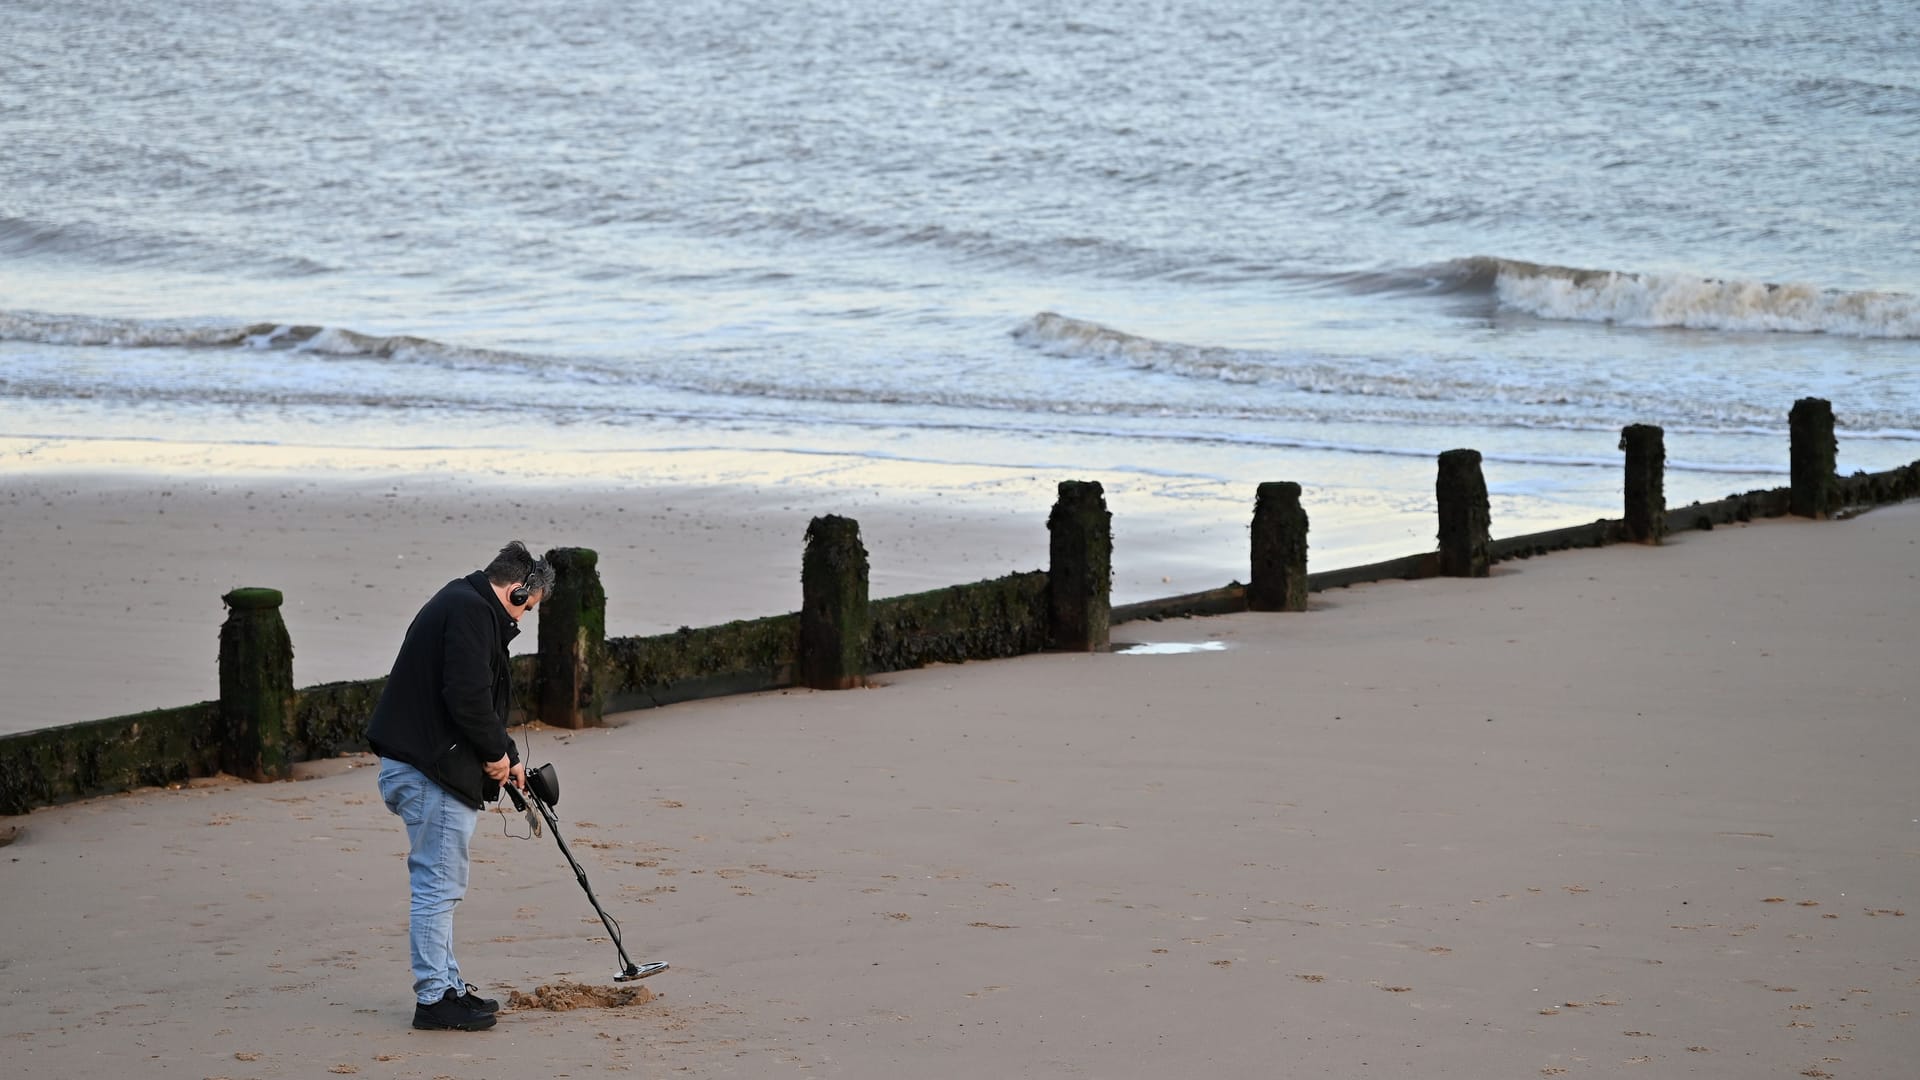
(515,565)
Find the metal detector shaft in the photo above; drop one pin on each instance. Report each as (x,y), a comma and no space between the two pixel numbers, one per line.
(628,969)
(580,875)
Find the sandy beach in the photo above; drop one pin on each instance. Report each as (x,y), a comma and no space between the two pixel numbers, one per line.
(1628,811)
(336,299)
(124,614)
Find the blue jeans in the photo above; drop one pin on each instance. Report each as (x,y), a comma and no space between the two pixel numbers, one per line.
(438,829)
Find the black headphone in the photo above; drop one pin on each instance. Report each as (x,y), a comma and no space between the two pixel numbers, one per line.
(518,597)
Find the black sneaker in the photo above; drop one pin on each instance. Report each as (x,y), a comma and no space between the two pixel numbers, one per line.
(471,999)
(448,1014)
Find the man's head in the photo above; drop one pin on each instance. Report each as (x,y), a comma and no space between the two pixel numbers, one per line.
(522,580)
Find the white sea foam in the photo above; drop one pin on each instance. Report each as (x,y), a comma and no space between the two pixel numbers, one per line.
(1666,300)
(259,338)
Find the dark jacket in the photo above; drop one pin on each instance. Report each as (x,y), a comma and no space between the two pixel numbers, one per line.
(444,709)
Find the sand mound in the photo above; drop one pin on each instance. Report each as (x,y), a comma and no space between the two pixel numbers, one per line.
(561,996)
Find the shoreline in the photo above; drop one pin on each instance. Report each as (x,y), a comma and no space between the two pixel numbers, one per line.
(1369,510)
(137,542)
(356,537)
(133,625)
(122,612)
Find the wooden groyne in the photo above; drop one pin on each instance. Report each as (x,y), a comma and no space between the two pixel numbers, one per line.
(262,724)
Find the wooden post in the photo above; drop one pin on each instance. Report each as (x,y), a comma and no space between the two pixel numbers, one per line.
(573,641)
(1646,491)
(1279,549)
(834,623)
(1465,521)
(256,686)
(1080,571)
(1813,455)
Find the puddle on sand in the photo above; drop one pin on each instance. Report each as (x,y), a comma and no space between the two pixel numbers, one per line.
(1168,648)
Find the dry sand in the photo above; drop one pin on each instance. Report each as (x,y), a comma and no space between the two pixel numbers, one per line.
(1622,812)
(118,608)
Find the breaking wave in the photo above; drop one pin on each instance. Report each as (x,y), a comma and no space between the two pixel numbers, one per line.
(1390,394)
(1062,335)
(27,238)
(90,330)
(1654,300)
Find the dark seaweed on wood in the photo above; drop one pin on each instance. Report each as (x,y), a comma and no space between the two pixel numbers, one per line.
(735,657)
(256,686)
(1814,453)
(1279,581)
(1464,518)
(78,761)
(573,633)
(834,619)
(1645,486)
(983,621)
(1080,583)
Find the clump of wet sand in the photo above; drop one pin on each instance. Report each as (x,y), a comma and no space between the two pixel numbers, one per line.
(562,996)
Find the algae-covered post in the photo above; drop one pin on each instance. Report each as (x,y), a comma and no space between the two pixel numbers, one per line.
(1279,581)
(573,641)
(1813,457)
(1646,492)
(1080,574)
(834,621)
(256,686)
(1465,521)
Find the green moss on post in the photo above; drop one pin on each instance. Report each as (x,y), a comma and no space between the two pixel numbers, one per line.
(331,718)
(1080,571)
(1814,453)
(834,621)
(257,702)
(1279,580)
(77,761)
(733,658)
(1646,492)
(1877,489)
(987,619)
(1465,521)
(573,641)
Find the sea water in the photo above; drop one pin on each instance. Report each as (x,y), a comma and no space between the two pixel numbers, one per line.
(1178,246)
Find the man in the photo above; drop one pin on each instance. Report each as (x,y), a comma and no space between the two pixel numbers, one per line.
(441,732)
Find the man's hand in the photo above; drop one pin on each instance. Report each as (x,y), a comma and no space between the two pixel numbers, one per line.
(500,770)
(518,777)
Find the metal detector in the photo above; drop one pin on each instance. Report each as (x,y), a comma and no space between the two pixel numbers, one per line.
(543,785)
